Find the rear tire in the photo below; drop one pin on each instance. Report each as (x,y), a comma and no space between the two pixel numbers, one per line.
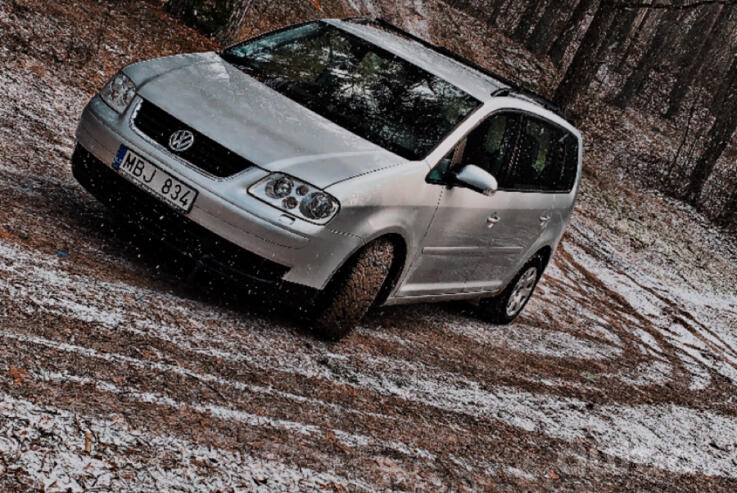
(507,306)
(354,290)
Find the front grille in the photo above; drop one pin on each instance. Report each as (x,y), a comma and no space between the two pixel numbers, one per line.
(164,224)
(205,153)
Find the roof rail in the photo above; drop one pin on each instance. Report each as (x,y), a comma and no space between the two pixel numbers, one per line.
(514,88)
(531,96)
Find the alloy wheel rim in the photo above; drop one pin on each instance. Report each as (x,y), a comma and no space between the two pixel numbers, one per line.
(522,292)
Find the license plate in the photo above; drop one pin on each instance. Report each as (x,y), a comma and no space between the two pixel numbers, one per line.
(155,180)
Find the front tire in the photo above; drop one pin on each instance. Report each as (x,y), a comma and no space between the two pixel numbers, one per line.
(507,306)
(354,290)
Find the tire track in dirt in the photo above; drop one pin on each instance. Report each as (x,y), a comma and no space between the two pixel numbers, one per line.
(261,342)
(128,393)
(58,461)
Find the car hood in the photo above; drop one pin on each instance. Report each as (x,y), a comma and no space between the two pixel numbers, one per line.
(269,129)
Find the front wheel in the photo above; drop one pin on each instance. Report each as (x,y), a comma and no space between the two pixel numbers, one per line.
(354,289)
(504,308)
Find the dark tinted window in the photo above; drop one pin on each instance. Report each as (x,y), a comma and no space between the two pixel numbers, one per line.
(367,90)
(491,145)
(547,159)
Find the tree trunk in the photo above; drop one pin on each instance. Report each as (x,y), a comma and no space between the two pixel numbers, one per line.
(542,35)
(717,140)
(494,10)
(651,57)
(527,19)
(631,42)
(557,52)
(729,210)
(715,59)
(184,9)
(619,31)
(236,11)
(582,69)
(221,19)
(693,57)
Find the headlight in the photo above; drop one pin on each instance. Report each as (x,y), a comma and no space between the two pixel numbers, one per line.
(317,206)
(296,197)
(119,92)
(280,187)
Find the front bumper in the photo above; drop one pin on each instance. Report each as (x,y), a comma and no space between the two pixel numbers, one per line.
(306,254)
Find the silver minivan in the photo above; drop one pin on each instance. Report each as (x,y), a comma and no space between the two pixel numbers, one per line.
(344,161)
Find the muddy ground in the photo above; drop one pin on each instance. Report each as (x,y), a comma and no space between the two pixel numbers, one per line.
(119,372)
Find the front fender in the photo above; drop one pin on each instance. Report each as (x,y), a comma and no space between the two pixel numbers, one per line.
(395,201)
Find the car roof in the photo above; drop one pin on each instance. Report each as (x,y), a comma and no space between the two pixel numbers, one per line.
(477,84)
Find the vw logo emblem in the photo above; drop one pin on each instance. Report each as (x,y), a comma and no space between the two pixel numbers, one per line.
(181,140)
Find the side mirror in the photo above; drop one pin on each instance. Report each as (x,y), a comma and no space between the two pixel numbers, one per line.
(477,179)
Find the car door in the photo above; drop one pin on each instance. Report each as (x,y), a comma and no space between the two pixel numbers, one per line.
(560,175)
(521,210)
(457,245)
(534,183)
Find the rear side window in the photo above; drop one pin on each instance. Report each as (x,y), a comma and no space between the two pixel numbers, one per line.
(547,159)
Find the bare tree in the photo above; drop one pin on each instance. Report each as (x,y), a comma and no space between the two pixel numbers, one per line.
(582,69)
(541,37)
(577,20)
(527,19)
(619,31)
(702,37)
(718,138)
(221,19)
(730,207)
(658,44)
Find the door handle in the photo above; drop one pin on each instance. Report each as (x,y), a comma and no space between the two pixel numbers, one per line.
(492,221)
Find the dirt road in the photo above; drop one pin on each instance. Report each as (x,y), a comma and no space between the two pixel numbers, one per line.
(118,375)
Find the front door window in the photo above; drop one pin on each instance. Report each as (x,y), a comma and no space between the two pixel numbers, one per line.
(491,145)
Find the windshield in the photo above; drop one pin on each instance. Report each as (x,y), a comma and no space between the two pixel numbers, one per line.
(357,85)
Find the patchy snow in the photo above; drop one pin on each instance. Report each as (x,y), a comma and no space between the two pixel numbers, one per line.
(49,445)
(533,340)
(652,373)
(623,431)
(669,436)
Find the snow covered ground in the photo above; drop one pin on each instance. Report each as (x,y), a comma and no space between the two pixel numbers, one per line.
(115,374)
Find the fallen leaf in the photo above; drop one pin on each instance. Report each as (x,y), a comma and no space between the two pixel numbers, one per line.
(17,374)
(38,70)
(87,442)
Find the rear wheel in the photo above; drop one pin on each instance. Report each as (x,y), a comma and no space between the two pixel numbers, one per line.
(504,308)
(354,289)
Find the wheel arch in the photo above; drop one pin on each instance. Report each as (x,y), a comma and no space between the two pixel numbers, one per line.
(399,262)
(544,254)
